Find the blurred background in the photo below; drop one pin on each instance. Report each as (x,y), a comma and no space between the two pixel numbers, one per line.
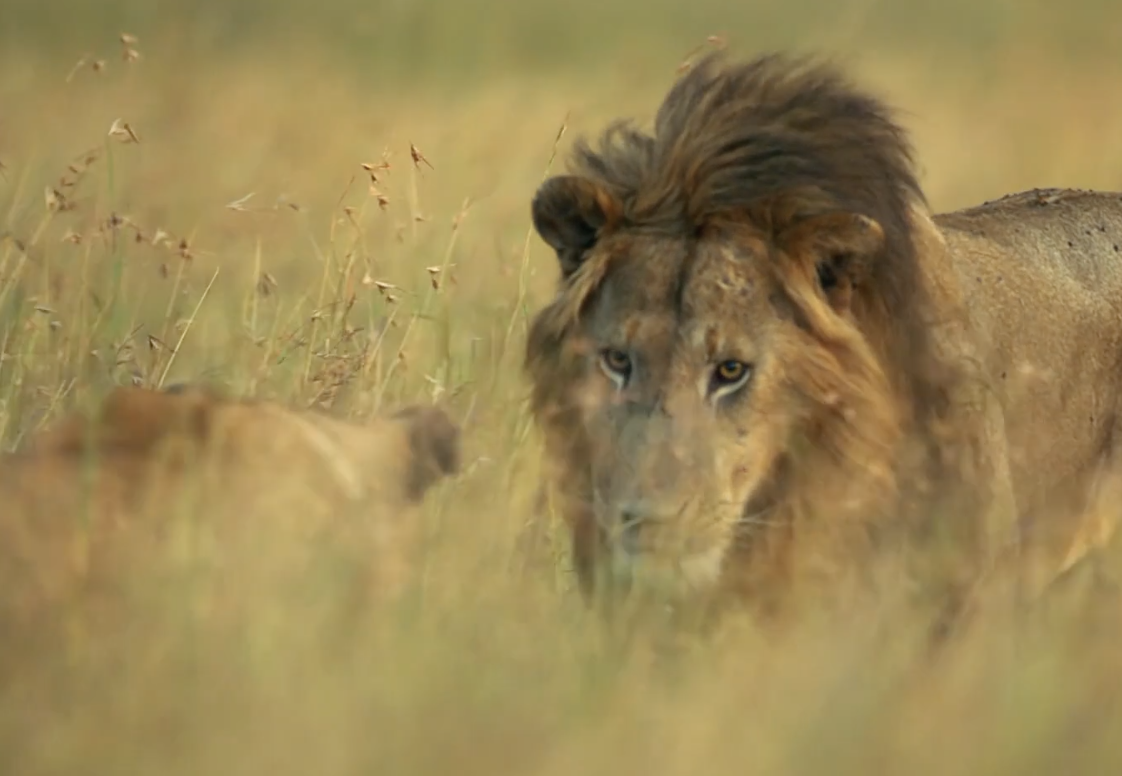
(254,118)
(328,202)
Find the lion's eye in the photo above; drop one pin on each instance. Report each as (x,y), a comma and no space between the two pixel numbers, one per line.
(730,373)
(616,362)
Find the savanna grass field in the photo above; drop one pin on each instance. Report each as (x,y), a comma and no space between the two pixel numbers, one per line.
(328,204)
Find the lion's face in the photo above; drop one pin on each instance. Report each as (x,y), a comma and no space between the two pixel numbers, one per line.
(684,400)
(679,375)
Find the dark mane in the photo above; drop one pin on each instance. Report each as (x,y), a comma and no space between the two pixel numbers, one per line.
(733,137)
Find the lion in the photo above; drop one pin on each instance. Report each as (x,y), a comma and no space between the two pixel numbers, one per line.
(768,361)
(91,494)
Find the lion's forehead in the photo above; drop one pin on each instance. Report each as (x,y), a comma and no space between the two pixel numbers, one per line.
(723,277)
(723,301)
(686,304)
(686,277)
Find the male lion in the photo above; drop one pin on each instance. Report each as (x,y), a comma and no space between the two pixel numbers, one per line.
(259,480)
(766,356)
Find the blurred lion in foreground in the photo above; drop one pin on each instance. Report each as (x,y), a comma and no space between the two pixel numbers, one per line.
(255,482)
(769,363)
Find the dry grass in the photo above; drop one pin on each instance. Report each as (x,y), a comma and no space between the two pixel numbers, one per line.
(275,224)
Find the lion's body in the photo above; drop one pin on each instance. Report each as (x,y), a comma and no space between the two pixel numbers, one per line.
(92,494)
(767,358)
(1041,277)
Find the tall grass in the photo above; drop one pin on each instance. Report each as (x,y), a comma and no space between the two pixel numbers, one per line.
(267,200)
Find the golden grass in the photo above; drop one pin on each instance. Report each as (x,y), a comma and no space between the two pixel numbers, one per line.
(271,231)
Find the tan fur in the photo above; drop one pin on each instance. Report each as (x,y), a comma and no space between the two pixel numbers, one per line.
(943,388)
(91,492)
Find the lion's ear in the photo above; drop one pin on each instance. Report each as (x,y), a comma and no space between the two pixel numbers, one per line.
(435,447)
(842,248)
(571,213)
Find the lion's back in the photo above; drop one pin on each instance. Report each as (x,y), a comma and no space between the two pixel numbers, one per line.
(1041,274)
(1062,236)
(254,448)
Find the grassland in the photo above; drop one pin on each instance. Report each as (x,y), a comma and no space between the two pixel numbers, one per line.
(256,219)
